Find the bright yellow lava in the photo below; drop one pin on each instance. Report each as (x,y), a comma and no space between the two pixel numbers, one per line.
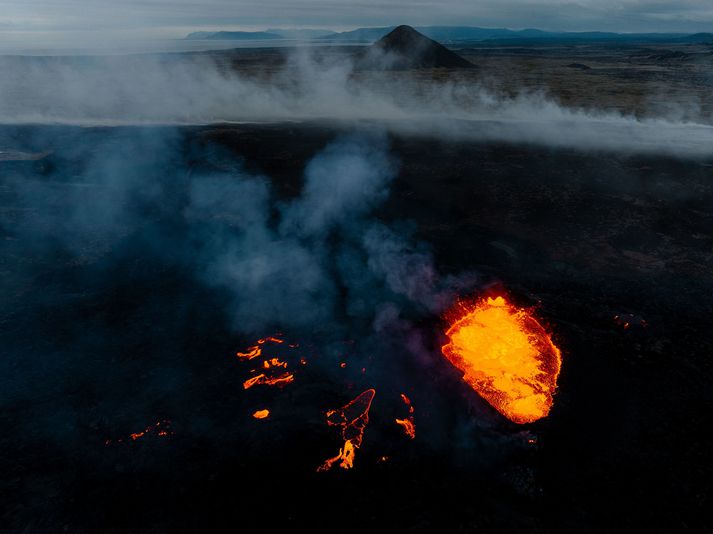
(507,357)
(261,414)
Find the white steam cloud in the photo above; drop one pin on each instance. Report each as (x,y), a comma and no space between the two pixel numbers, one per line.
(198,90)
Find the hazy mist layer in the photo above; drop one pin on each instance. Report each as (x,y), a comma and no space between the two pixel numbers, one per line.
(171,89)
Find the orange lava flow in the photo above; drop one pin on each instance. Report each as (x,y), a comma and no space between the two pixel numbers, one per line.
(345,458)
(156,429)
(352,418)
(270,365)
(263,379)
(160,428)
(261,414)
(274,362)
(250,353)
(408,424)
(256,350)
(507,357)
(407,402)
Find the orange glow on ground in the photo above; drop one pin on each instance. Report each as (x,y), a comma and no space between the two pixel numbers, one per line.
(250,353)
(256,350)
(270,364)
(345,458)
(274,362)
(407,402)
(261,414)
(507,357)
(407,424)
(159,428)
(263,379)
(352,418)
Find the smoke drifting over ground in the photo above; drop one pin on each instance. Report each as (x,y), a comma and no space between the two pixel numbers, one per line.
(296,265)
(317,266)
(319,86)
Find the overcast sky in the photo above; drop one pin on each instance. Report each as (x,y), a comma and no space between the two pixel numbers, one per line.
(175,17)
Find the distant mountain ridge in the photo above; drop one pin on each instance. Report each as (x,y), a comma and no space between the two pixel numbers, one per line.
(300,33)
(455,34)
(450,34)
(272,33)
(232,36)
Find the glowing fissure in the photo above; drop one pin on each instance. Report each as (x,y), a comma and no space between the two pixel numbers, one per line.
(274,369)
(352,419)
(345,458)
(262,379)
(256,350)
(160,428)
(408,427)
(408,424)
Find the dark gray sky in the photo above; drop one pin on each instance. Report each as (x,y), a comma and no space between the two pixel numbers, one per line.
(174,17)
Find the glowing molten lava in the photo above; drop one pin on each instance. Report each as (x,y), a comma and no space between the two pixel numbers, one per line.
(261,414)
(160,428)
(345,458)
(352,419)
(274,369)
(274,362)
(256,350)
(408,425)
(507,357)
(262,379)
